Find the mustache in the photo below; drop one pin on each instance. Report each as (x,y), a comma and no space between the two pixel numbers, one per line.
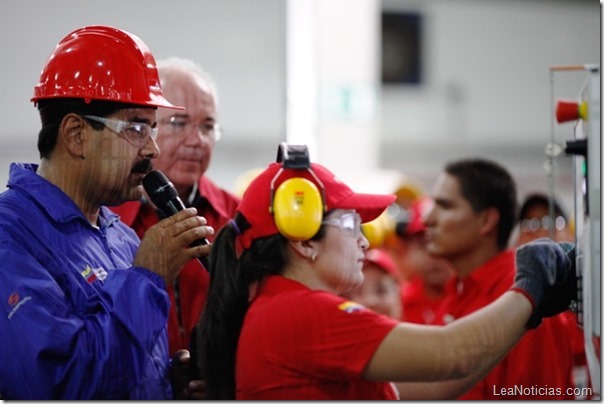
(143,167)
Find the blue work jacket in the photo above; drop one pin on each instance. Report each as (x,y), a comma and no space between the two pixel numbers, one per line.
(77,319)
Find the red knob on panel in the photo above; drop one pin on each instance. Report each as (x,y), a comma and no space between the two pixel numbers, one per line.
(570,111)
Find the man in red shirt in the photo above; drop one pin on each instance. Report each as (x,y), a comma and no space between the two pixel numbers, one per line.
(422,290)
(470,225)
(186,140)
(423,294)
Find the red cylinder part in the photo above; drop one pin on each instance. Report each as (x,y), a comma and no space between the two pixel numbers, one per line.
(567,110)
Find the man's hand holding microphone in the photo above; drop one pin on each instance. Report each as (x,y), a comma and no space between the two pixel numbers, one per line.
(168,245)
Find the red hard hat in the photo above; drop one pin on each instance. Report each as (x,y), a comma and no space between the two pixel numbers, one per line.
(102,63)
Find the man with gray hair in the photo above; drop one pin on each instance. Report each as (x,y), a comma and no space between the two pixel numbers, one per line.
(186,140)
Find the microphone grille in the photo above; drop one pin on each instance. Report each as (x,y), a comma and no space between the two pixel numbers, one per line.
(159,188)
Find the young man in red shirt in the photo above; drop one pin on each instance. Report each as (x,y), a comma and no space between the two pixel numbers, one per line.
(470,225)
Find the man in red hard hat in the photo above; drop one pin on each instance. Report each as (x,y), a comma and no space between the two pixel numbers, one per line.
(83,297)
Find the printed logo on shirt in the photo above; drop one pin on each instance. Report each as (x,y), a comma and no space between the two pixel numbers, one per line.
(92,274)
(350,307)
(15,301)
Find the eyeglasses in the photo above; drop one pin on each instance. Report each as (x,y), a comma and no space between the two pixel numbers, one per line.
(535,224)
(182,127)
(136,133)
(349,222)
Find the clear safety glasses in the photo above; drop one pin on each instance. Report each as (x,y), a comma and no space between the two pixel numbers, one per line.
(181,126)
(136,133)
(349,222)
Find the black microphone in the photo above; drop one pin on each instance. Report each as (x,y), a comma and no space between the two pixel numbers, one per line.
(164,196)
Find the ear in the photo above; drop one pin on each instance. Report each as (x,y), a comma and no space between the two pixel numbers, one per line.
(71,133)
(489,221)
(304,249)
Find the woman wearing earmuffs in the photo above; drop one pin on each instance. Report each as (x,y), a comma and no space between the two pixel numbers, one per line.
(274,326)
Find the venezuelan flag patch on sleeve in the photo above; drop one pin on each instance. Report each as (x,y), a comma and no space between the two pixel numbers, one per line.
(350,307)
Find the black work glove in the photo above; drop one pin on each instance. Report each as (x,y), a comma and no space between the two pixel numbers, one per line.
(560,296)
(545,274)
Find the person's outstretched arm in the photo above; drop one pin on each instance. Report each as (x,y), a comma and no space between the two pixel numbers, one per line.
(470,347)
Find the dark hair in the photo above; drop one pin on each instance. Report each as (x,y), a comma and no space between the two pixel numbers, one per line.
(52,111)
(539,199)
(486,184)
(217,334)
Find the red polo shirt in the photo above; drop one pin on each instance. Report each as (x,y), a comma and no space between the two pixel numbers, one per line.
(539,367)
(218,207)
(303,344)
(418,307)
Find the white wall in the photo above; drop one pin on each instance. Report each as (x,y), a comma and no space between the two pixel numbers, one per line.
(486,89)
(487,68)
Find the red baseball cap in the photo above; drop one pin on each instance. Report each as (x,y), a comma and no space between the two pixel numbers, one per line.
(256,201)
(382,260)
(414,222)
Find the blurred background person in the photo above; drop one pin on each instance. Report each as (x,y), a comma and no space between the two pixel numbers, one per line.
(535,221)
(423,293)
(380,290)
(408,191)
(470,225)
(422,275)
(186,141)
(403,216)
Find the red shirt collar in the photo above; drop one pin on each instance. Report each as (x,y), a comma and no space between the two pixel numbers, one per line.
(487,275)
(212,194)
